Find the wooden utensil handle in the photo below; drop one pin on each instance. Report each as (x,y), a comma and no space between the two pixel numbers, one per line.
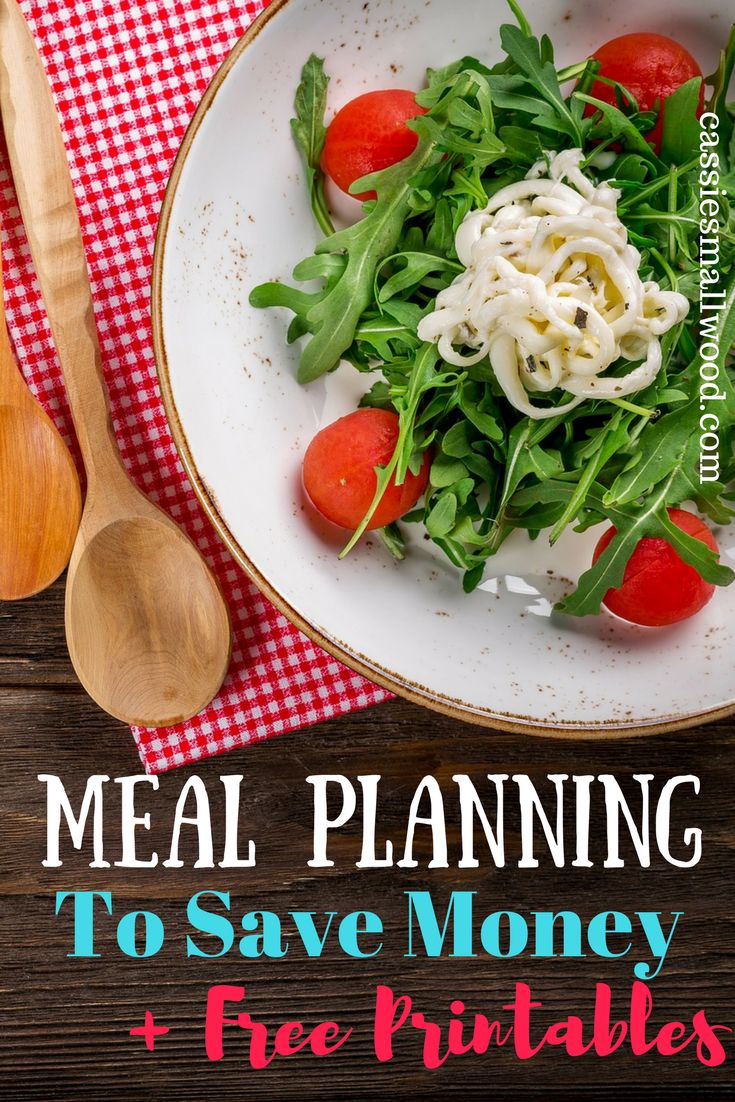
(46,199)
(11,381)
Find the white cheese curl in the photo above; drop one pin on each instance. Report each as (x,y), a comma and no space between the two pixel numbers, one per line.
(551,292)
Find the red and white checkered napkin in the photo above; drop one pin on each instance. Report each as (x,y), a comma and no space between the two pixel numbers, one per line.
(127,76)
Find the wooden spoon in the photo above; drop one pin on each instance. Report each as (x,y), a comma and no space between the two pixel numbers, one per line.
(40,500)
(146,624)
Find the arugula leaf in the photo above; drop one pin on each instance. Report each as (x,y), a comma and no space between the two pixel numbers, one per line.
(696,553)
(481,151)
(334,318)
(526,52)
(416,267)
(518,12)
(618,127)
(720,82)
(681,125)
(708,496)
(422,378)
(440,520)
(392,538)
(662,451)
(523,459)
(631,526)
(609,443)
(445,470)
(309,133)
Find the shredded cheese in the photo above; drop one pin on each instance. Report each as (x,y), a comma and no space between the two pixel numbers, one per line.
(551,292)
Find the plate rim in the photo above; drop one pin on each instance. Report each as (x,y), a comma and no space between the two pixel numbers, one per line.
(385,678)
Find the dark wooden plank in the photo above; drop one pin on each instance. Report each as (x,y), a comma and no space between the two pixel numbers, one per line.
(32,644)
(69,1018)
(67,1027)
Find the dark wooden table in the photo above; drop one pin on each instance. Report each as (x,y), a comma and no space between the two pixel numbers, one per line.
(67,1021)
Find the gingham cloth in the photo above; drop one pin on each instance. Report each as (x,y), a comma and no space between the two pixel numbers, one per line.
(127,77)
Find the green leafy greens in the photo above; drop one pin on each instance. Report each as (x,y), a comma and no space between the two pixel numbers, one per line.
(494,470)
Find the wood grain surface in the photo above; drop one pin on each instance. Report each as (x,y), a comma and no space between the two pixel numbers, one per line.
(66,1022)
(116,614)
(40,498)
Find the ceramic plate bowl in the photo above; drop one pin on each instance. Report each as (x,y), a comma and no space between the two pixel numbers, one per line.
(236,214)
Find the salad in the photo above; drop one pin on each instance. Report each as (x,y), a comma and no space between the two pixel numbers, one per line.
(541,289)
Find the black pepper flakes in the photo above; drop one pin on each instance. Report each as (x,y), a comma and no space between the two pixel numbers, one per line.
(580,318)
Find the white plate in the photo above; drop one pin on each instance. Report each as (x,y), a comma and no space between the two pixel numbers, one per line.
(236,214)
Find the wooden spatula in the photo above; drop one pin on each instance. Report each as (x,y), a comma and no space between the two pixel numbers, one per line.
(40,502)
(147,627)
